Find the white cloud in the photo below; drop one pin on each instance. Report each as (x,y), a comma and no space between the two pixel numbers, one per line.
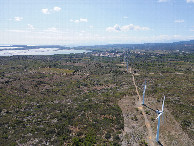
(79,20)
(111,29)
(45,11)
(179,21)
(76,21)
(52,29)
(83,20)
(57,9)
(18,18)
(125,17)
(160,1)
(30,26)
(117,28)
(133,27)
(49,11)
(190,1)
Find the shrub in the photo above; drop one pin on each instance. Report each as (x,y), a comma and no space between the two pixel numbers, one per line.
(107,135)
(143,143)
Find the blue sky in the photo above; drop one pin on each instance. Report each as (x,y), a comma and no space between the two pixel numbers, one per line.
(94,22)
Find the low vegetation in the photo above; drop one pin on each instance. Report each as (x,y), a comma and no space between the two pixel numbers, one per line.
(73,99)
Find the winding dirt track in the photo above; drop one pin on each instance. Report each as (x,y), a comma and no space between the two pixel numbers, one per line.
(147,123)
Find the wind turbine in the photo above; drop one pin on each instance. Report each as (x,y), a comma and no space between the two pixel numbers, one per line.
(124,59)
(144,93)
(159,114)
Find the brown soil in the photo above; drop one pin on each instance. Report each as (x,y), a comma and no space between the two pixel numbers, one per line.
(134,129)
(147,123)
(138,125)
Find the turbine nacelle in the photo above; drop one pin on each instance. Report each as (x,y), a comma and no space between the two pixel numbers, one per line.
(158,112)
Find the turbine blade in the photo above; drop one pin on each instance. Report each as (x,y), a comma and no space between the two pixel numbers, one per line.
(163,105)
(144,92)
(144,87)
(159,115)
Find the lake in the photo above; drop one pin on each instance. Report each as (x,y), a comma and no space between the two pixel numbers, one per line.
(39,51)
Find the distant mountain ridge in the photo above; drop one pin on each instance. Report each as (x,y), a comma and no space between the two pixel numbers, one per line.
(182,45)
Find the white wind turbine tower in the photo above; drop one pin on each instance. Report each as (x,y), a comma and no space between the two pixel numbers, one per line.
(124,59)
(159,114)
(144,92)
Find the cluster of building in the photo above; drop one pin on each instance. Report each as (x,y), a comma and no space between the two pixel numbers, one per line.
(107,54)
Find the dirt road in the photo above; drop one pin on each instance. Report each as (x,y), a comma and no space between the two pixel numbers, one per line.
(150,136)
(136,125)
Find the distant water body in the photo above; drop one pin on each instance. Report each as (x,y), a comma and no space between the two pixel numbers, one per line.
(39,51)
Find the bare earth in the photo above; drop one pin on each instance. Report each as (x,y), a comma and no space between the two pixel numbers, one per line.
(138,125)
(134,128)
(147,123)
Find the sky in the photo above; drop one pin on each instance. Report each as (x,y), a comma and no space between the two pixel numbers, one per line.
(95,22)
